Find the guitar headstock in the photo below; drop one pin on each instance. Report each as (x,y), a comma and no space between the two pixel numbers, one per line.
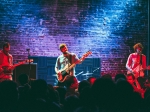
(23,62)
(29,60)
(85,55)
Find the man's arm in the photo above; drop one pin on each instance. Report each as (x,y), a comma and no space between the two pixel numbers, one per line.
(57,66)
(76,59)
(129,62)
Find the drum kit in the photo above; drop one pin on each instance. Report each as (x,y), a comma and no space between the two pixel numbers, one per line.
(85,76)
(80,76)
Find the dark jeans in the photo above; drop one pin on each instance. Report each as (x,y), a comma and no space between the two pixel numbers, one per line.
(68,82)
(141,81)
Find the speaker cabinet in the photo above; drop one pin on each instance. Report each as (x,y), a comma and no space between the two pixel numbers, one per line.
(29,69)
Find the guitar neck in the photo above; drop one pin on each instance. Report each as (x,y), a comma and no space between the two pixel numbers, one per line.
(70,67)
(74,64)
(20,63)
(143,69)
(78,61)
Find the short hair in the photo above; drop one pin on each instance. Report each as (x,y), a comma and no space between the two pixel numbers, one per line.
(62,45)
(137,45)
(6,44)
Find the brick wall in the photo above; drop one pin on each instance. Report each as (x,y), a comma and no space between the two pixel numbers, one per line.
(107,27)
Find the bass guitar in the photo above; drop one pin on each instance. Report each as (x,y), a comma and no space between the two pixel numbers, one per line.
(64,73)
(9,69)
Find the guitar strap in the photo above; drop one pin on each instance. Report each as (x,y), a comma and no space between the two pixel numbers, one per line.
(141,59)
(140,64)
(70,60)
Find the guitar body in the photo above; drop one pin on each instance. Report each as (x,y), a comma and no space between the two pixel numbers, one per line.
(62,77)
(7,70)
(138,71)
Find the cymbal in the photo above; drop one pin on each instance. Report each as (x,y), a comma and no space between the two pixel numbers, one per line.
(87,74)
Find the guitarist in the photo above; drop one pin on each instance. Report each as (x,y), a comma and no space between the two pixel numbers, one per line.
(6,59)
(65,60)
(136,63)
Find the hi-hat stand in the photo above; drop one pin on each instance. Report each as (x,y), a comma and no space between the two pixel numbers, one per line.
(29,65)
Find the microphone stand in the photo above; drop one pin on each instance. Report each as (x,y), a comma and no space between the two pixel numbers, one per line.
(140,63)
(29,65)
(79,73)
(96,69)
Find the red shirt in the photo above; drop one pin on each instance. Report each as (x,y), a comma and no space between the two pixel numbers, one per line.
(5,61)
(135,60)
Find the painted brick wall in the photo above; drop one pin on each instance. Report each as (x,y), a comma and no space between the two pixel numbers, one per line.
(109,28)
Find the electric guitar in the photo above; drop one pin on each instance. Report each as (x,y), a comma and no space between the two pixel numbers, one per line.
(138,71)
(9,69)
(65,71)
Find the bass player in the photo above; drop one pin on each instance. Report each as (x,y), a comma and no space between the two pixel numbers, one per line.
(65,59)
